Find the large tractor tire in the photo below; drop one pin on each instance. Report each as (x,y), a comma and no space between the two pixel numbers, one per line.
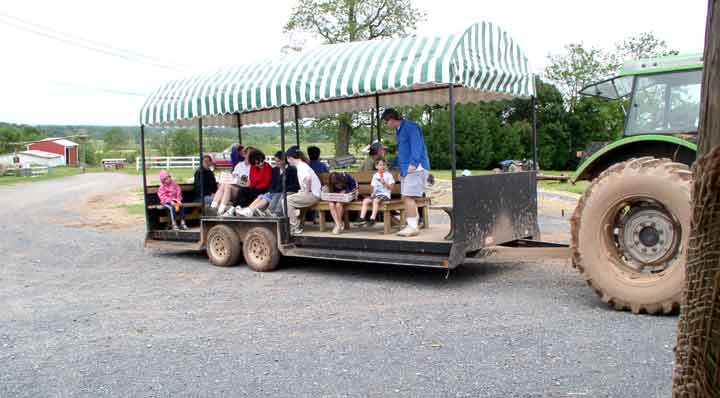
(630,234)
(223,246)
(260,249)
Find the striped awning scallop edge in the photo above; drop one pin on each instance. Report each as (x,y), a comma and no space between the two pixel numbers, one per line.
(483,62)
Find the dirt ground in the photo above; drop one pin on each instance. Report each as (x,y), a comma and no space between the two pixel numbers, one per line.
(107,211)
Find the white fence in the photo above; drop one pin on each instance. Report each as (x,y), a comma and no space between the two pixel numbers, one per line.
(26,171)
(169,162)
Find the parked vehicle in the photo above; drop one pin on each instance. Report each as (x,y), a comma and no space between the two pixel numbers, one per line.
(512,166)
(221,159)
(631,227)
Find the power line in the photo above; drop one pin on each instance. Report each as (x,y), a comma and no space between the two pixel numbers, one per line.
(101,89)
(91,45)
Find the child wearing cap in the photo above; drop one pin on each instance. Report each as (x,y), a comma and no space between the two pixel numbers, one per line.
(170,196)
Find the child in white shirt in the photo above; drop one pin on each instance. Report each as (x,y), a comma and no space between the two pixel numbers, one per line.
(382,183)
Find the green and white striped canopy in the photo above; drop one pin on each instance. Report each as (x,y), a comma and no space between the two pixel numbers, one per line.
(483,62)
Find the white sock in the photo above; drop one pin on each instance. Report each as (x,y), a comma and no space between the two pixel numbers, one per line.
(213,205)
(412,222)
(221,209)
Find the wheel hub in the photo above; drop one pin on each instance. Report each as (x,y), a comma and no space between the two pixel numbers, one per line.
(648,236)
(218,247)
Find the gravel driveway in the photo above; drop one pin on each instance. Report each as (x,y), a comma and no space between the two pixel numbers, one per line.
(92,314)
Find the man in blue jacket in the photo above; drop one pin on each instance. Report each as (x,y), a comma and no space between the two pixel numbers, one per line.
(414,166)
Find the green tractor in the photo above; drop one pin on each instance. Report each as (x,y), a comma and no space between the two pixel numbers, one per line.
(631,226)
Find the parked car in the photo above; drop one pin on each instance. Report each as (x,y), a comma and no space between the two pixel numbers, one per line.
(221,160)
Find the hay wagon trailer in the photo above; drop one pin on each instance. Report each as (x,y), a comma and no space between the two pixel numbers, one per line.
(481,63)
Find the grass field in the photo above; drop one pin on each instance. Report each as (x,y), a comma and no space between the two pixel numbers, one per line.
(577,188)
(56,172)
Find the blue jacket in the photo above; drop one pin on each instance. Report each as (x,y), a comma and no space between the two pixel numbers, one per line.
(319,167)
(411,147)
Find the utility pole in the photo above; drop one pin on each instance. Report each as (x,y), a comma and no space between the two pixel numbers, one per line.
(697,368)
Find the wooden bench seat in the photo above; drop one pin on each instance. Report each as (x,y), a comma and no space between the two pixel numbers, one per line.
(188,205)
(386,208)
(161,215)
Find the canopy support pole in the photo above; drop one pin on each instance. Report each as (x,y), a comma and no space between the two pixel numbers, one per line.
(144,176)
(533,103)
(377,118)
(239,123)
(202,169)
(296,110)
(282,148)
(453,155)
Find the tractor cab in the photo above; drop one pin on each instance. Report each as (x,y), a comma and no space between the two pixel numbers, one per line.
(663,94)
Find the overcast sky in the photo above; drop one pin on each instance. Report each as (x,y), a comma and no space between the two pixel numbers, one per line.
(45,81)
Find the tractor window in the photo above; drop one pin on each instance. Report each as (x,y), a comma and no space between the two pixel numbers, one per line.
(665,103)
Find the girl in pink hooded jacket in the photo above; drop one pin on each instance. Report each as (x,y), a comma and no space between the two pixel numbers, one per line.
(170,196)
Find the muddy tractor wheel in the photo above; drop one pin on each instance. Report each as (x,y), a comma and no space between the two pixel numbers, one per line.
(630,234)
(223,246)
(260,249)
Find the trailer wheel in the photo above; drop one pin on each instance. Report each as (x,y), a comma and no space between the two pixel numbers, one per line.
(223,246)
(260,249)
(630,234)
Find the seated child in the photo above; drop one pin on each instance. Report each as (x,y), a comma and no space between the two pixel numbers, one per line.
(340,183)
(170,196)
(381,183)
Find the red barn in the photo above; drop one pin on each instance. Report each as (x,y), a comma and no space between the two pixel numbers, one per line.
(59,146)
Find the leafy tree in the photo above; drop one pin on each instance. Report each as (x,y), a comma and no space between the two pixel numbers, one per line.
(15,137)
(90,153)
(184,142)
(115,138)
(161,143)
(644,45)
(576,68)
(341,21)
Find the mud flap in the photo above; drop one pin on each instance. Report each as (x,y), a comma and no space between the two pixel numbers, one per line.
(493,209)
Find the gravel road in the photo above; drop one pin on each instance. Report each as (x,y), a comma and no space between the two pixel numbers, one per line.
(89,313)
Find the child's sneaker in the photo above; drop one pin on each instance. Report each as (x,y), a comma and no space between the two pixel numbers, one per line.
(370,222)
(183,226)
(297,230)
(175,227)
(360,224)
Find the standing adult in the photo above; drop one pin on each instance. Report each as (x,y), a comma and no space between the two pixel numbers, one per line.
(205,175)
(413,163)
(310,188)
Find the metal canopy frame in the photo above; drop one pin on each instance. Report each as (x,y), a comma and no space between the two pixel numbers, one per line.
(452,127)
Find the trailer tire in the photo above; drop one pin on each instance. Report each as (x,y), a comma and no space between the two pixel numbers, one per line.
(223,246)
(630,234)
(260,249)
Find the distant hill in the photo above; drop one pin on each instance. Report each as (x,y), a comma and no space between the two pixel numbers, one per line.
(98,132)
